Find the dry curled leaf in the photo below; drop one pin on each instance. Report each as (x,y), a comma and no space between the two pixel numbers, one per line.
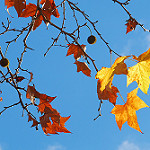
(131,25)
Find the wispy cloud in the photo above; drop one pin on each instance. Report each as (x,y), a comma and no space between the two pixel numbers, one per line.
(126,145)
(55,147)
(148,41)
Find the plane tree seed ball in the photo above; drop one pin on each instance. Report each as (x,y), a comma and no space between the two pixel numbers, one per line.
(4,62)
(91,39)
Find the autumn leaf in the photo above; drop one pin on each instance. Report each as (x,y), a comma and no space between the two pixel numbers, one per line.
(105,75)
(29,11)
(31,77)
(18,4)
(131,25)
(35,122)
(76,50)
(19,78)
(32,94)
(108,93)
(52,122)
(82,66)
(43,14)
(53,9)
(127,112)
(140,72)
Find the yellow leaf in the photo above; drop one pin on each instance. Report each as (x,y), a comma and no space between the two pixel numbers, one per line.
(105,75)
(140,72)
(127,112)
(143,57)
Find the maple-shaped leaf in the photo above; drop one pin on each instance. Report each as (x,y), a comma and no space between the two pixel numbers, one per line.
(76,50)
(61,126)
(140,72)
(43,14)
(105,75)
(35,122)
(107,94)
(58,122)
(82,66)
(32,93)
(53,9)
(127,112)
(53,128)
(131,25)
(18,4)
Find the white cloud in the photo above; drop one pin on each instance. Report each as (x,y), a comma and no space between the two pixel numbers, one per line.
(148,41)
(55,147)
(126,145)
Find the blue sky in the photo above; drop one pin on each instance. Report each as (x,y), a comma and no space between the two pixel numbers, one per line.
(55,75)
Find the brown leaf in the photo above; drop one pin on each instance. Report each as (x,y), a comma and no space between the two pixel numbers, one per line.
(19,78)
(50,5)
(107,94)
(35,122)
(32,94)
(29,11)
(82,66)
(18,4)
(76,50)
(31,77)
(131,25)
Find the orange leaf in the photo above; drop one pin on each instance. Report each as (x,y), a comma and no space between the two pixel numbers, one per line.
(29,11)
(44,14)
(108,93)
(131,25)
(32,93)
(50,5)
(127,112)
(18,4)
(82,66)
(76,50)
(35,122)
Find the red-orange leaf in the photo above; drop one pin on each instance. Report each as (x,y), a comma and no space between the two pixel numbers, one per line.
(18,4)
(82,66)
(131,25)
(107,93)
(76,50)
(32,93)
(29,11)
(19,78)
(50,5)
(35,122)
